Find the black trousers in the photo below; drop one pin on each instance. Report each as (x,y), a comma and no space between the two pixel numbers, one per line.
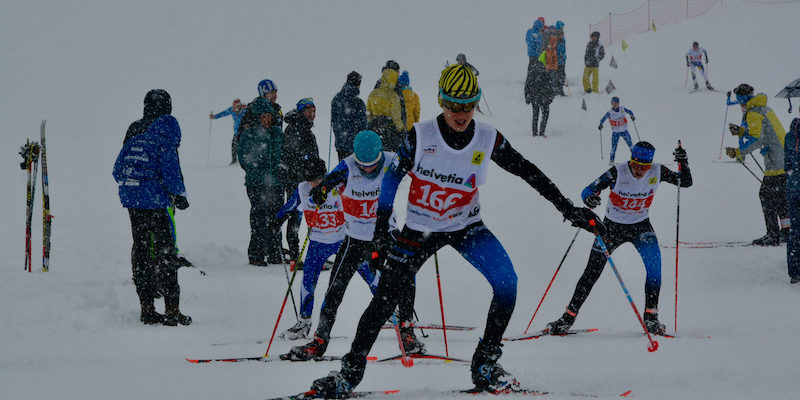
(352,253)
(545,108)
(153,257)
(773,201)
(292,225)
(265,235)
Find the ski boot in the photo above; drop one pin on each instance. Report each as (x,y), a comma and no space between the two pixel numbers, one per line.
(770,239)
(313,349)
(149,314)
(561,325)
(696,86)
(299,330)
(411,344)
(651,322)
(340,384)
(173,316)
(487,374)
(708,86)
(794,280)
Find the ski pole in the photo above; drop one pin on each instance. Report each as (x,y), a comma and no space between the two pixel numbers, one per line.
(208,153)
(637,131)
(407,361)
(291,293)
(422,331)
(686,80)
(552,279)
(723,131)
(601,145)
(330,140)
(288,290)
(487,103)
(677,239)
(441,303)
(750,171)
(653,344)
(757,163)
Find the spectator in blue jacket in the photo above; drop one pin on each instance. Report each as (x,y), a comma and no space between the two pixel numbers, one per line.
(561,49)
(236,111)
(150,180)
(348,115)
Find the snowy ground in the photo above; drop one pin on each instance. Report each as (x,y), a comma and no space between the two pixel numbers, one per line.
(73,333)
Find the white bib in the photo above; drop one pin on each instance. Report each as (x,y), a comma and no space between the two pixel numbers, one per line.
(360,199)
(617,120)
(326,221)
(630,199)
(444,181)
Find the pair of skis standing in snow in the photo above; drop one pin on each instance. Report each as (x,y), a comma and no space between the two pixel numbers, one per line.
(31,153)
(447,159)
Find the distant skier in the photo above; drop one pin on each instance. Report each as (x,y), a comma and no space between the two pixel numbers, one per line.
(619,126)
(326,222)
(633,186)
(694,59)
(447,159)
(762,130)
(236,111)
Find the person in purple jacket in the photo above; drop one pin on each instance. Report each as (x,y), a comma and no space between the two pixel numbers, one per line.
(236,111)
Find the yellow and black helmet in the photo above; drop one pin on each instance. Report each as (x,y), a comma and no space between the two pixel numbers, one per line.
(459,85)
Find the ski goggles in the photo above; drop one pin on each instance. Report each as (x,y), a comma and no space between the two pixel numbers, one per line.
(459,107)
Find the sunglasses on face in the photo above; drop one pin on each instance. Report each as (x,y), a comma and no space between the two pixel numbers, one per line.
(458,107)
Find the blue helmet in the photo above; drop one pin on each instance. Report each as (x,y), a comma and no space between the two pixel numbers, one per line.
(265,87)
(367,148)
(615,99)
(642,153)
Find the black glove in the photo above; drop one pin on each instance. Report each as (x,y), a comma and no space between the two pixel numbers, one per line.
(728,94)
(633,118)
(680,156)
(180,202)
(319,194)
(600,127)
(582,217)
(381,244)
(592,201)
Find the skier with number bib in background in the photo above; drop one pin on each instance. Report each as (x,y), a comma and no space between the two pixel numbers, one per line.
(633,186)
(447,159)
(358,180)
(694,59)
(619,126)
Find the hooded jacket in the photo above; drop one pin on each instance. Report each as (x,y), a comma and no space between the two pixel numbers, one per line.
(299,145)
(385,102)
(348,116)
(595,52)
(157,102)
(260,148)
(766,133)
(147,169)
(791,154)
(533,38)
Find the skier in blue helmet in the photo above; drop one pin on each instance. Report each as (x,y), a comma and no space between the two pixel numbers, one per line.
(619,126)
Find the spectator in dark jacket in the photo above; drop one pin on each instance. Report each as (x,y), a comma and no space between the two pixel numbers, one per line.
(791,157)
(348,115)
(149,176)
(595,52)
(299,146)
(260,148)
(539,92)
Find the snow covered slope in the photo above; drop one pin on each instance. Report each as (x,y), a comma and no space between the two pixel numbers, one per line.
(73,333)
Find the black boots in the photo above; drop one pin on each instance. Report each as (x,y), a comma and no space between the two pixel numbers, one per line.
(561,325)
(149,314)
(487,374)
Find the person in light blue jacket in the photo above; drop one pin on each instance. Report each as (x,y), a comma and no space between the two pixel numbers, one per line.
(236,111)
(149,176)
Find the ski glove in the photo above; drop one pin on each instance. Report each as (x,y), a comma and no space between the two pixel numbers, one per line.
(381,244)
(180,202)
(736,130)
(680,156)
(600,127)
(319,194)
(733,153)
(580,217)
(592,201)
(633,118)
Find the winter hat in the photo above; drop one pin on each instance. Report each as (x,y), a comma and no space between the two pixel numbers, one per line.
(266,86)
(354,78)
(614,99)
(391,64)
(642,153)
(367,148)
(313,169)
(403,80)
(540,19)
(237,101)
(461,57)
(595,35)
(157,102)
(459,85)
(305,103)
(744,93)
(559,25)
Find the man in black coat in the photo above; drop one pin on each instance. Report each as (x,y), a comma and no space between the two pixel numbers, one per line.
(348,115)
(539,92)
(299,145)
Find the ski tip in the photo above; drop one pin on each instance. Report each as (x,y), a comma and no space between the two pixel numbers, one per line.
(626,393)
(372,358)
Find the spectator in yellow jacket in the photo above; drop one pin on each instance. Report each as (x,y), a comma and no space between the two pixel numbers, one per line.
(411,99)
(384,111)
